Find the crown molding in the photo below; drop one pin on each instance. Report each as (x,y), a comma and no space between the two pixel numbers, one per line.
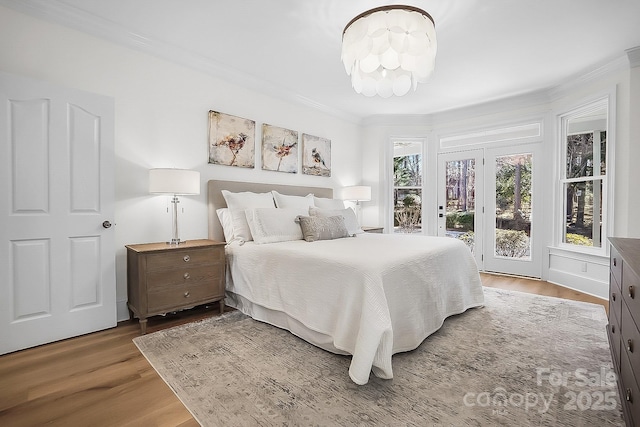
(634,56)
(61,13)
(614,65)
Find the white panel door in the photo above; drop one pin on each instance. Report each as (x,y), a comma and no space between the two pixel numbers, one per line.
(56,203)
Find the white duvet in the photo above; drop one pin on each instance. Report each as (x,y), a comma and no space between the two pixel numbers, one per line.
(370,296)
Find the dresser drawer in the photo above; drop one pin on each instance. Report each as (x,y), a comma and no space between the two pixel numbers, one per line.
(177,258)
(615,300)
(614,340)
(630,341)
(630,392)
(181,296)
(630,292)
(615,264)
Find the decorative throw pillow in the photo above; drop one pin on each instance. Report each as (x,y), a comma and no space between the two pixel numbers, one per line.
(284,201)
(271,225)
(350,219)
(322,228)
(237,203)
(321,202)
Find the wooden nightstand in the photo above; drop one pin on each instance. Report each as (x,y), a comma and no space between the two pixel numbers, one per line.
(373,229)
(162,278)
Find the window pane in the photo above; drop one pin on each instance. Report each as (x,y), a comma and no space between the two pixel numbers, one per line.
(407,211)
(407,171)
(460,209)
(513,206)
(407,182)
(586,154)
(583,208)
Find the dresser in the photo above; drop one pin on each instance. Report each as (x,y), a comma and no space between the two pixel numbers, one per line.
(163,278)
(624,323)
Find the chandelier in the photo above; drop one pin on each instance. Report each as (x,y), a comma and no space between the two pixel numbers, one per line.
(389,49)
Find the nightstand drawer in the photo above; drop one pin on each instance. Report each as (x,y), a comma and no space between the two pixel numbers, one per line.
(188,275)
(178,258)
(179,296)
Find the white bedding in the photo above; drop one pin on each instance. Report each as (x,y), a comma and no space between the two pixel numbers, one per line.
(370,296)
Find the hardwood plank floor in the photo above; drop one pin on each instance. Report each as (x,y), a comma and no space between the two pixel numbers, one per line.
(101,379)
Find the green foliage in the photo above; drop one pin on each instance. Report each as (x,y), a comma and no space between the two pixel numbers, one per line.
(411,200)
(577,239)
(512,243)
(460,220)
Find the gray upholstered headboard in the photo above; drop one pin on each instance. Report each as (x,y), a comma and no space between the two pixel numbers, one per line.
(216,201)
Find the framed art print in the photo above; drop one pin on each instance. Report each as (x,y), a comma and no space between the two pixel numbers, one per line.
(231,140)
(279,149)
(316,155)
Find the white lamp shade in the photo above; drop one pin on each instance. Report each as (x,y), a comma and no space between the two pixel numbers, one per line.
(174,181)
(360,193)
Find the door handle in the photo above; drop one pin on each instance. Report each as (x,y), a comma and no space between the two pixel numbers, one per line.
(106,224)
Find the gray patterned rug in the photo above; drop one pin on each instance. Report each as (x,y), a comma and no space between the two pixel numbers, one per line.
(521,360)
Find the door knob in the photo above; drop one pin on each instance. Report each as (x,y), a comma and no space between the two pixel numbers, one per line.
(106,224)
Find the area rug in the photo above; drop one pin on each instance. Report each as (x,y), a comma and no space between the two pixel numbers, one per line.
(521,360)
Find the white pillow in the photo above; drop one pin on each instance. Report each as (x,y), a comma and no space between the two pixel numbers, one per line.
(284,201)
(271,225)
(237,203)
(227,223)
(323,203)
(350,219)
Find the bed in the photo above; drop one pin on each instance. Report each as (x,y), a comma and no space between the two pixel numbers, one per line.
(369,296)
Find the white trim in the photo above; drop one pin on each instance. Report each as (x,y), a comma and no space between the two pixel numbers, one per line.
(522,133)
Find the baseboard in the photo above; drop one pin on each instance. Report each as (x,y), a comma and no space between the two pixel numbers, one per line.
(582,284)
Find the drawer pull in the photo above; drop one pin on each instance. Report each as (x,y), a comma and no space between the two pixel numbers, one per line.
(632,292)
(186,294)
(186,258)
(186,275)
(613,329)
(630,346)
(613,296)
(615,262)
(629,397)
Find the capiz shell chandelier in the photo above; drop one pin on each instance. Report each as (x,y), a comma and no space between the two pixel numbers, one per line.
(389,49)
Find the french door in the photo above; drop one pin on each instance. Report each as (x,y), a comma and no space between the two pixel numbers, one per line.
(488,199)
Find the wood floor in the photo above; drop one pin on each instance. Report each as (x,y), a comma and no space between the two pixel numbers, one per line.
(101,379)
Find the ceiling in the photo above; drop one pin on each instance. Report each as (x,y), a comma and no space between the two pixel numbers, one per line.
(487,49)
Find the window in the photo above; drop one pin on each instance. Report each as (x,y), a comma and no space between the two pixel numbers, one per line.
(584,176)
(407,186)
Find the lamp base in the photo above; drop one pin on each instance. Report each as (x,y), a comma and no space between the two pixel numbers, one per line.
(176,242)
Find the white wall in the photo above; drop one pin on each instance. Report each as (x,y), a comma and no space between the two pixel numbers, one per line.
(161,113)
